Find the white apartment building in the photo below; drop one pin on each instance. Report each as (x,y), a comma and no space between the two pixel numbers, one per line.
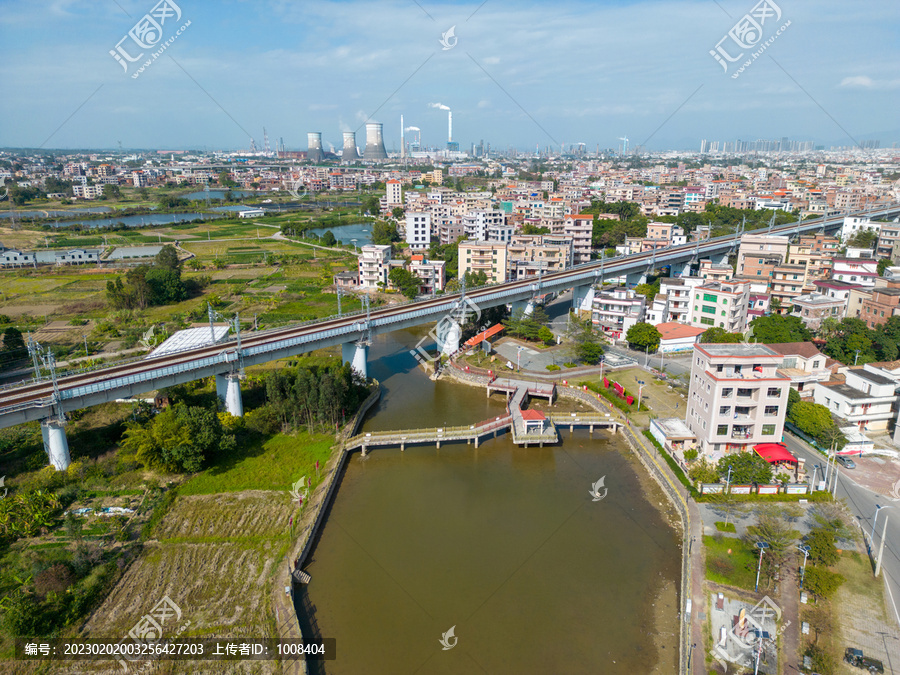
(530,255)
(737,397)
(418,229)
(394,193)
(867,399)
(374,265)
(855,224)
(722,304)
(432,273)
(672,303)
(479,225)
(759,251)
(855,271)
(87,191)
(615,311)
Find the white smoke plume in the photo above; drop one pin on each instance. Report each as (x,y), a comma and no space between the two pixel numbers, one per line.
(439,106)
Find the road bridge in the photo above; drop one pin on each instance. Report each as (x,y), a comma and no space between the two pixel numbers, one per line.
(48,400)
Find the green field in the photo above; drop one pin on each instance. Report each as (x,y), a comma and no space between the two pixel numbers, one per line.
(737,568)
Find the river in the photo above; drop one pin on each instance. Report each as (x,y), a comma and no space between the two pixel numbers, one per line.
(503,543)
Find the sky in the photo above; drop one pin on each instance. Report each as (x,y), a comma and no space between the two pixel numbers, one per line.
(515,73)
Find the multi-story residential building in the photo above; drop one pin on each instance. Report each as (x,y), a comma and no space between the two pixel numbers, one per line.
(489,257)
(672,303)
(760,254)
(758,305)
(530,255)
(815,255)
(737,397)
(855,271)
(882,305)
(865,399)
(855,224)
(501,233)
(11,257)
(660,231)
(418,229)
(804,364)
(432,273)
(616,310)
(478,225)
(888,238)
(814,308)
(581,229)
(836,290)
(857,296)
(374,265)
(87,191)
(394,194)
(714,271)
(723,304)
(786,284)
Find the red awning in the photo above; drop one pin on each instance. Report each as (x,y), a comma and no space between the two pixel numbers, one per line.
(774,452)
(484,335)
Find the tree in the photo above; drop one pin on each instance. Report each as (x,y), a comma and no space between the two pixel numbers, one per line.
(852,343)
(526,326)
(779,328)
(793,398)
(397,212)
(643,336)
(167,258)
(821,581)
(546,335)
(746,467)
(703,472)
(883,264)
(719,335)
(328,239)
(774,529)
(811,418)
(165,285)
(384,233)
(13,344)
(405,281)
(649,291)
(822,549)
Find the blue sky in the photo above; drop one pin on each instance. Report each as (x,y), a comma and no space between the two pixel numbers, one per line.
(519,73)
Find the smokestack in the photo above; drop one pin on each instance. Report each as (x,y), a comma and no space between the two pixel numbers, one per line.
(402,137)
(374,142)
(450,126)
(314,144)
(350,152)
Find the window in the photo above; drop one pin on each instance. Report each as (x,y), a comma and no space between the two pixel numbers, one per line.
(771,410)
(722,430)
(745,393)
(725,410)
(737,369)
(709,310)
(724,312)
(719,368)
(727,392)
(706,321)
(768,430)
(709,297)
(774,392)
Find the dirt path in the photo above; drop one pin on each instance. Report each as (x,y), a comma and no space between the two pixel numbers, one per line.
(790,608)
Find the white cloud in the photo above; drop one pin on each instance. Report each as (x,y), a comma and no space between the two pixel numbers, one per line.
(866,82)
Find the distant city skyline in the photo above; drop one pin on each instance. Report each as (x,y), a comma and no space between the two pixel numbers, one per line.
(665,75)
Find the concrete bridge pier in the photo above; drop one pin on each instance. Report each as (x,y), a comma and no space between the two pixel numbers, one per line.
(582,298)
(357,355)
(681,270)
(56,444)
(228,388)
(448,334)
(634,278)
(526,307)
(719,258)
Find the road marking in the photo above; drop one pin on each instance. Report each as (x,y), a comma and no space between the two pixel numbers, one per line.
(888,586)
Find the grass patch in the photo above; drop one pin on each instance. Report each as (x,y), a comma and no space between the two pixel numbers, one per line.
(261,464)
(737,568)
(673,465)
(722,526)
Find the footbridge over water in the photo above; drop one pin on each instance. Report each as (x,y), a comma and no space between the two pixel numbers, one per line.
(50,400)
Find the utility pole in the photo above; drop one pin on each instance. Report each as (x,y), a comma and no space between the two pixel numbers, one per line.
(881,547)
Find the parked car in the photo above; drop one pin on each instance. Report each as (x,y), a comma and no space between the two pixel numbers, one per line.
(846,462)
(856,658)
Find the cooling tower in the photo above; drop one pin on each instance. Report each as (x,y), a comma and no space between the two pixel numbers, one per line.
(350,152)
(314,139)
(374,142)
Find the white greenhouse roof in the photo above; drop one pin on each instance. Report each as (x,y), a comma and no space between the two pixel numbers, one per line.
(190,339)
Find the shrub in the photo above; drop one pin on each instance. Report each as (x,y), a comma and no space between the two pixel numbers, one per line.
(553,366)
(569,364)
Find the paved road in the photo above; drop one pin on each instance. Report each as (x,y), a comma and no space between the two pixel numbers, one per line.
(862,504)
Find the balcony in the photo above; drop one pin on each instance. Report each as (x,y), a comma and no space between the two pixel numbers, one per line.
(742,432)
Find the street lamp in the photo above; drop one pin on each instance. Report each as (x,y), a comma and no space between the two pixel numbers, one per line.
(878,508)
(805,550)
(762,546)
(518,357)
(728,479)
(640,393)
